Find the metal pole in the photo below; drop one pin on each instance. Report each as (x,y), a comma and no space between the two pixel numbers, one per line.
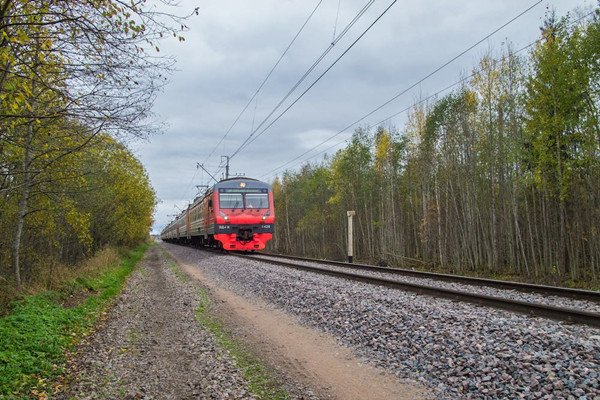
(350,236)
(226,166)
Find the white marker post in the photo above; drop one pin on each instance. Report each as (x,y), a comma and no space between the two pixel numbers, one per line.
(350,236)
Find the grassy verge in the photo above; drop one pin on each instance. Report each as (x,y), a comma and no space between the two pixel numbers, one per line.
(174,267)
(261,383)
(182,276)
(42,327)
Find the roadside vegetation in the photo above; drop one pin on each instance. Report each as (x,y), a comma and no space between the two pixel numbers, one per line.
(36,336)
(499,177)
(77,83)
(69,220)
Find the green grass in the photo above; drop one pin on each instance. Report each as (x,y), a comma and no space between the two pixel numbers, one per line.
(260,381)
(182,276)
(39,331)
(179,274)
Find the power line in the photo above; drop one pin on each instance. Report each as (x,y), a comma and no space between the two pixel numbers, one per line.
(404,91)
(306,73)
(189,185)
(410,87)
(368,127)
(403,110)
(264,80)
(312,67)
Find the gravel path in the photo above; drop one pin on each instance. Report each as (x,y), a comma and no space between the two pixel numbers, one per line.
(458,349)
(151,346)
(556,301)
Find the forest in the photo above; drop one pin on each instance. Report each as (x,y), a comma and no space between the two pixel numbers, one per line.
(77,83)
(499,177)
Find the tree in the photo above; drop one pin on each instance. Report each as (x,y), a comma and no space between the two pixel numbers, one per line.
(93,64)
(501,176)
(562,123)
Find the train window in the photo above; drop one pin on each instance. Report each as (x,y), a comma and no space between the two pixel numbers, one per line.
(257,200)
(230,200)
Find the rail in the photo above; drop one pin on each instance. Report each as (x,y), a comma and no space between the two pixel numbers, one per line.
(508,285)
(529,308)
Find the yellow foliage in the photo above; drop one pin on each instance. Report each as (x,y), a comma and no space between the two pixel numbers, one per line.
(382,150)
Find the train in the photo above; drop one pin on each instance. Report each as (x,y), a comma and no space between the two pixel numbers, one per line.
(236,214)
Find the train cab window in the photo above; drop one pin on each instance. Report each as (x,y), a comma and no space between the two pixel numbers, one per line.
(230,200)
(257,200)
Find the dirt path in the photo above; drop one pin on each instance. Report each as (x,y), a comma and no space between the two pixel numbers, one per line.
(312,358)
(151,347)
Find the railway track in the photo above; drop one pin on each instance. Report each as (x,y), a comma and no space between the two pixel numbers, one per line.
(387,277)
(518,286)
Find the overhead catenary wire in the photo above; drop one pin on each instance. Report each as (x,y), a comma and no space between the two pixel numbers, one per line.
(405,90)
(389,117)
(311,68)
(434,95)
(412,86)
(262,84)
(189,185)
(270,173)
(307,72)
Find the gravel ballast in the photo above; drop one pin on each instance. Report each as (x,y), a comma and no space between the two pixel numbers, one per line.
(151,347)
(556,301)
(460,350)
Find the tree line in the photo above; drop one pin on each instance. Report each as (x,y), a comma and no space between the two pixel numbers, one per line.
(500,176)
(77,82)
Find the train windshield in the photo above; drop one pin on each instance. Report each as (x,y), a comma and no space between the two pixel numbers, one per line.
(230,200)
(257,200)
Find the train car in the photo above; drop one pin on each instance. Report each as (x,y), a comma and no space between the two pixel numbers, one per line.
(235,214)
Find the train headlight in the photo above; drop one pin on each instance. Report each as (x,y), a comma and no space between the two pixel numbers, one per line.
(225,216)
(264,217)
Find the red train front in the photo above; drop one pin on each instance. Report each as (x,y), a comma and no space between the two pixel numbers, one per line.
(235,214)
(244,214)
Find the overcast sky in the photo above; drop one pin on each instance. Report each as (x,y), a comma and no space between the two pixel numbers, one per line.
(232,45)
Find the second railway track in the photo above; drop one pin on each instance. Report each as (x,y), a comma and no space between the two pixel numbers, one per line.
(508,285)
(385,277)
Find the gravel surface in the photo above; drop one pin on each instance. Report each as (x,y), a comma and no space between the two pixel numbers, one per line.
(459,350)
(151,347)
(556,301)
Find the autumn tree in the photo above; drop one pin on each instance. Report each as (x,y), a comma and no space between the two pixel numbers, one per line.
(498,177)
(562,129)
(69,71)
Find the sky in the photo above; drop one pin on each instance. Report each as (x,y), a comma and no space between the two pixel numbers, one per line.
(232,45)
